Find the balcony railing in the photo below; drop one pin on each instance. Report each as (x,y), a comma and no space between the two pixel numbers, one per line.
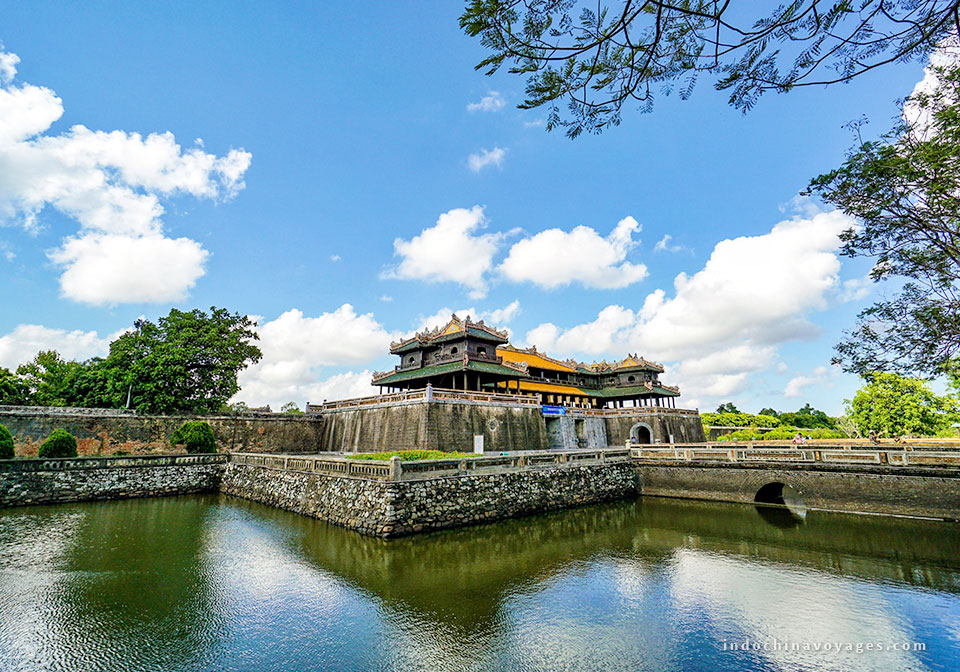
(434,394)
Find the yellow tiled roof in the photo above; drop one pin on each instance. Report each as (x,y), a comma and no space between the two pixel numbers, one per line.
(529,386)
(534,359)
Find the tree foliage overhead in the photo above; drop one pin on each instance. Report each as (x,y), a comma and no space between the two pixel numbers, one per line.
(595,57)
(904,190)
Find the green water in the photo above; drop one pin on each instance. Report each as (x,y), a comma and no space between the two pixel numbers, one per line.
(216,583)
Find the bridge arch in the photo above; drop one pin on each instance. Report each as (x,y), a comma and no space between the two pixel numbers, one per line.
(777,493)
(641,432)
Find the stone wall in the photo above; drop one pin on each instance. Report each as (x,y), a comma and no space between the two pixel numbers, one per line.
(683,428)
(920,491)
(451,426)
(104,431)
(433,425)
(24,482)
(392,509)
(567,432)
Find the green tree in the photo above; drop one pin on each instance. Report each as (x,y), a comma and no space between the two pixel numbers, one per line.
(595,57)
(13,390)
(768,411)
(904,190)
(727,407)
(49,379)
(808,418)
(186,362)
(291,408)
(890,405)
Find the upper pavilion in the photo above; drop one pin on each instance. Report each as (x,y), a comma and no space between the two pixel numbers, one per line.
(462,355)
(466,355)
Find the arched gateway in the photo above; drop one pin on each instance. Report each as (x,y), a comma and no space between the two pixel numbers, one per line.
(641,433)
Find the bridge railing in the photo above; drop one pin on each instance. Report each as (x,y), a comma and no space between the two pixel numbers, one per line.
(824,454)
(398,470)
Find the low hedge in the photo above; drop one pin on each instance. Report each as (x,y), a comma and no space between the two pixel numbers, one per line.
(6,444)
(60,443)
(196,436)
(407,455)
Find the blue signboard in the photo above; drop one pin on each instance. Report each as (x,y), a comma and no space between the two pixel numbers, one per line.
(554,410)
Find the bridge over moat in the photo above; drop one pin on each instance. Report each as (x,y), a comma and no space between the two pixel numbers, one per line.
(919,481)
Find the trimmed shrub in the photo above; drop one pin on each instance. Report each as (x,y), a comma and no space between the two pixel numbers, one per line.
(6,444)
(196,436)
(60,443)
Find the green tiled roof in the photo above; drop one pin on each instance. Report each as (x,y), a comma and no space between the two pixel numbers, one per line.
(440,369)
(471,331)
(412,345)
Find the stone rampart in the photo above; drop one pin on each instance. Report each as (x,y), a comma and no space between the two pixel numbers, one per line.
(666,426)
(24,482)
(450,425)
(398,508)
(433,425)
(105,431)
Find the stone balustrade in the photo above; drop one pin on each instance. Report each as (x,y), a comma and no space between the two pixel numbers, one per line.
(396,469)
(75,463)
(823,453)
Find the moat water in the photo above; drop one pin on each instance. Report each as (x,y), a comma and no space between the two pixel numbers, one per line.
(216,583)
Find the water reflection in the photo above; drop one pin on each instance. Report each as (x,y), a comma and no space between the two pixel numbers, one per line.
(210,583)
(79,583)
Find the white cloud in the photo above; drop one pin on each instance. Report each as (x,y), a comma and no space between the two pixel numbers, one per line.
(334,257)
(26,340)
(450,251)
(726,320)
(8,67)
(495,318)
(386,298)
(821,377)
(283,387)
(554,258)
(114,268)
(663,245)
(295,347)
(111,184)
(536,123)
(491,157)
(856,289)
(491,102)
(946,55)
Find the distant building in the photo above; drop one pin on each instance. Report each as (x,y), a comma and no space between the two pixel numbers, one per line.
(465,355)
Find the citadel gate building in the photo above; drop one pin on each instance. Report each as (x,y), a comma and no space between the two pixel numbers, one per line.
(463,381)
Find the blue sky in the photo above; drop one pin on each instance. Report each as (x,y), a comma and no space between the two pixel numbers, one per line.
(334,196)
